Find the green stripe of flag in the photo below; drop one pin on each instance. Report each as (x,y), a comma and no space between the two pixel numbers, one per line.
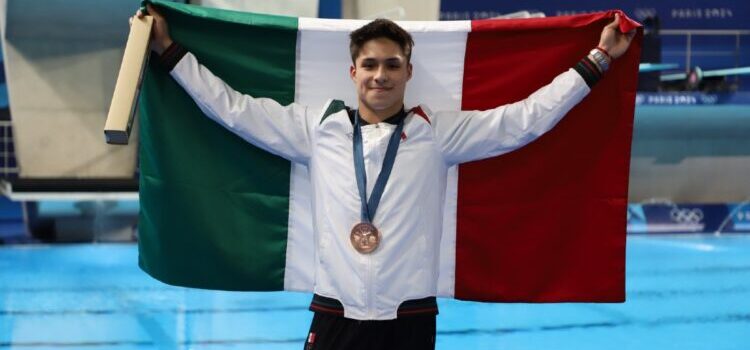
(220,221)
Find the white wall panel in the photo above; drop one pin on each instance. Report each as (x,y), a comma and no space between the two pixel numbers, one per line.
(61,62)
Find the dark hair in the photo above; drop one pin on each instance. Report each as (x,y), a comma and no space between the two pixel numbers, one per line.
(380,28)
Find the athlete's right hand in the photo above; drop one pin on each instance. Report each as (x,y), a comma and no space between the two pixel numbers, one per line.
(160,39)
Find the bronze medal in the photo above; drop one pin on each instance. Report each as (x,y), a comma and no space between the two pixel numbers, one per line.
(365,237)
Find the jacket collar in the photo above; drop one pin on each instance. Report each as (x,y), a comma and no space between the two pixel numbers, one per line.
(394,119)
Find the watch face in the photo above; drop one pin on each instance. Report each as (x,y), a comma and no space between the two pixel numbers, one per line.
(600,59)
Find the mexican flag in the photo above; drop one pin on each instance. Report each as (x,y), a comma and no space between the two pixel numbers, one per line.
(545,223)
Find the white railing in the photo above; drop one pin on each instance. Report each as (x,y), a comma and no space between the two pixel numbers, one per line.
(690,33)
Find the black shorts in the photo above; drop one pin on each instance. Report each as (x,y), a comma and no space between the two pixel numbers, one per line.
(330,332)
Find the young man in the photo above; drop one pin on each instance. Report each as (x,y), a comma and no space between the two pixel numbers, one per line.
(378,174)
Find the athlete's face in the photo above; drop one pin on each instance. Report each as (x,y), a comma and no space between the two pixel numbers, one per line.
(380,74)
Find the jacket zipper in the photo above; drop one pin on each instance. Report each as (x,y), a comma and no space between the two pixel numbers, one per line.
(368,289)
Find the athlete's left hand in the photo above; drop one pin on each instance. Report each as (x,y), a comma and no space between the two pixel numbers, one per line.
(615,41)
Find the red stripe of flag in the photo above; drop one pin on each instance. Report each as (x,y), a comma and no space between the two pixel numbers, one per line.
(549,224)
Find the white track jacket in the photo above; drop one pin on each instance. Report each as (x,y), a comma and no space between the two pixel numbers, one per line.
(405,265)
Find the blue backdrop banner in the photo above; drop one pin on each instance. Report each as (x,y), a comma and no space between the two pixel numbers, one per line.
(673,14)
(688,218)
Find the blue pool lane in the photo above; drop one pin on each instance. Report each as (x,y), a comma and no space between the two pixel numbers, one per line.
(683,293)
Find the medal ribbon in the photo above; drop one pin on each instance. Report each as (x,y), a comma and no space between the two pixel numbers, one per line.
(369,207)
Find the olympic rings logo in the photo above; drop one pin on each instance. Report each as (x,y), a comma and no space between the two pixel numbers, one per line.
(686,215)
(709,99)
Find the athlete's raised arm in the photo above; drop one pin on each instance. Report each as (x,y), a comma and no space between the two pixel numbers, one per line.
(471,135)
(282,130)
